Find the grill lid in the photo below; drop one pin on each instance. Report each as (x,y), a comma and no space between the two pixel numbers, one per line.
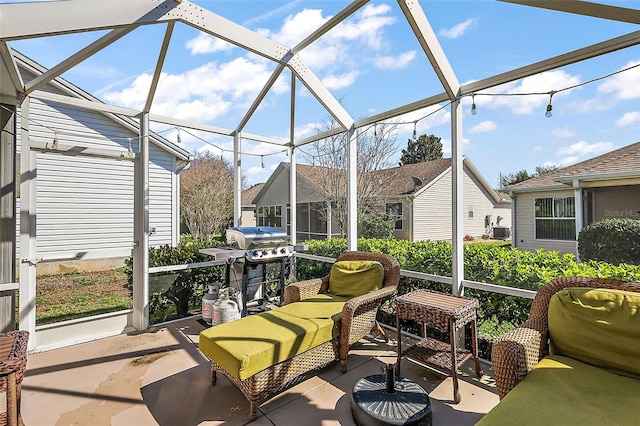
(246,237)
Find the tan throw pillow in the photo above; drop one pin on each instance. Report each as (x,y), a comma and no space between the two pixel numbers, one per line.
(350,278)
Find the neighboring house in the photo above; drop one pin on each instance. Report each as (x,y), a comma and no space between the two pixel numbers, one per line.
(417,195)
(85,202)
(549,211)
(248,208)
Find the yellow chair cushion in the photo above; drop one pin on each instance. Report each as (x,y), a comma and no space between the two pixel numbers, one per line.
(350,278)
(598,326)
(562,390)
(248,345)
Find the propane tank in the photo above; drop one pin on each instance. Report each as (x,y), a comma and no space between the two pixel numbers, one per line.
(207,302)
(224,309)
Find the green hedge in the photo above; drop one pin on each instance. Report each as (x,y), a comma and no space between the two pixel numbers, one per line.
(611,240)
(187,286)
(482,262)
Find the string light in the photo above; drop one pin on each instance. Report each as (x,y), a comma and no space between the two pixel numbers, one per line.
(473,104)
(262,161)
(415,131)
(178,138)
(55,139)
(548,113)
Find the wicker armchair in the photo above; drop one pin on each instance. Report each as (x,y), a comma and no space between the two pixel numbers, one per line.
(359,313)
(13,358)
(515,353)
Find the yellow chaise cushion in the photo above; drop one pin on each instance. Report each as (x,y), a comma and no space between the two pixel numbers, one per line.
(247,346)
(598,326)
(350,278)
(565,391)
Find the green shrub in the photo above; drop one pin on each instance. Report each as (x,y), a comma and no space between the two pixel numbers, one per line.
(188,285)
(375,225)
(482,262)
(611,240)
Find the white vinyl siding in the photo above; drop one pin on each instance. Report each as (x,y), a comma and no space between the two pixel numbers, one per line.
(85,203)
(432,211)
(525,226)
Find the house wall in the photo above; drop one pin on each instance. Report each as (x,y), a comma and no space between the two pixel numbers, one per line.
(432,212)
(277,193)
(248,216)
(85,204)
(523,236)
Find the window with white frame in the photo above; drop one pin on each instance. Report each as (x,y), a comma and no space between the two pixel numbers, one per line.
(394,211)
(555,218)
(270,216)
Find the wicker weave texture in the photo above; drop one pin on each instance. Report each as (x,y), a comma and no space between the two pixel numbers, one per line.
(14,358)
(515,353)
(273,380)
(461,312)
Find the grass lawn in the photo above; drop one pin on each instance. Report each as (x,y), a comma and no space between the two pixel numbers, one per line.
(63,297)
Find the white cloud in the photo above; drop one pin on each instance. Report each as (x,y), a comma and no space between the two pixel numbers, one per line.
(563,133)
(201,94)
(335,82)
(528,104)
(394,62)
(628,119)
(485,126)
(205,43)
(270,14)
(567,161)
(457,30)
(625,85)
(333,53)
(537,148)
(583,148)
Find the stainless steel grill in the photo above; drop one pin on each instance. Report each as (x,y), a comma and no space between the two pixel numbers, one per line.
(250,251)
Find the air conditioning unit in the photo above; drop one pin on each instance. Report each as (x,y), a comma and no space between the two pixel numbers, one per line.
(501,232)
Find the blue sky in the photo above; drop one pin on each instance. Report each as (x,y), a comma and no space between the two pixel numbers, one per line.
(373,63)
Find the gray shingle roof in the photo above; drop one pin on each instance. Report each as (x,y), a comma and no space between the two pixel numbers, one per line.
(625,159)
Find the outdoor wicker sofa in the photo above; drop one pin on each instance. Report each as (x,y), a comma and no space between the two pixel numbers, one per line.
(339,321)
(13,358)
(583,369)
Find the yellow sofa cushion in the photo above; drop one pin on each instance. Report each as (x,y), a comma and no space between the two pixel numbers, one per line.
(247,346)
(598,326)
(565,391)
(350,278)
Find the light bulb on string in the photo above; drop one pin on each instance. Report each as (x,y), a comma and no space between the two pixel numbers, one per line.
(548,113)
(178,138)
(473,104)
(262,161)
(415,131)
(55,140)
(375,131)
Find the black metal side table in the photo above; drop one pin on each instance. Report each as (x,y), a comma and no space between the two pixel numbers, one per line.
(447,313)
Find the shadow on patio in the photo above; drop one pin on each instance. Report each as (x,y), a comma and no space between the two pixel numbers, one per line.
(159,377)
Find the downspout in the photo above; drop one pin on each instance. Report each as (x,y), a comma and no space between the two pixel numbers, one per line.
(577,195)
(513,219)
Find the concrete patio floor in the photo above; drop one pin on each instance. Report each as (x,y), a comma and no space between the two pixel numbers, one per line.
(159,377)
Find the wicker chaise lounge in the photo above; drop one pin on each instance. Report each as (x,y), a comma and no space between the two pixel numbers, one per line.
(255,356)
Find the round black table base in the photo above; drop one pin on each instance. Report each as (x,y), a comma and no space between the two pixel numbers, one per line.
(371,404)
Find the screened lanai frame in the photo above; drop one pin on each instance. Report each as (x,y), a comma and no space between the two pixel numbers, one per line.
(40,19)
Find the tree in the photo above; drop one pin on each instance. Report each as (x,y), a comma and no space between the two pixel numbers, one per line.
(375,149)
(206,195)
(522,175)
(424,148)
